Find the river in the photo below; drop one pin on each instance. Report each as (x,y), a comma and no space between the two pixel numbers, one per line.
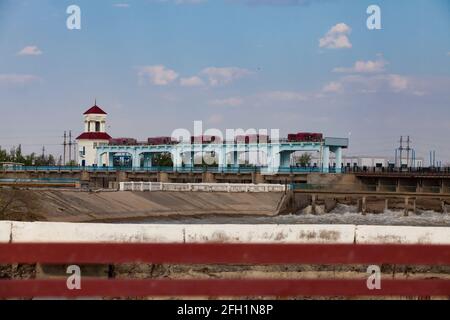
(343,214)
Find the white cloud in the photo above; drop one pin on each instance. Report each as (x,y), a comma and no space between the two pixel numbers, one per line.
(231,102)
(376,83)
(397,82)
(121,5)
(191,82)
(333,87)
(287,96)
(221,76)
(18,79)
(180,2)
(30,51)
(157,75)
(364,67)
(215,119)
(189,1)
(337,37)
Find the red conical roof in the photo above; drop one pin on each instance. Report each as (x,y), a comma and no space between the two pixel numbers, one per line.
(95,110)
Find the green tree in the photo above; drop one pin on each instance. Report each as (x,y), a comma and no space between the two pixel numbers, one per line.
(305,160)
(163,160)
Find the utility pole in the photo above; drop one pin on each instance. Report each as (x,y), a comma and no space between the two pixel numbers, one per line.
(401,151)
(65,145)
(408,149)
(70,146)
(74,152)
(43,152)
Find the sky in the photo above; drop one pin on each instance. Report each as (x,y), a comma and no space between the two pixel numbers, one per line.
(295,65)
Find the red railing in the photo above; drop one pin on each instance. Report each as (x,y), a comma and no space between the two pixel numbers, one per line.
(248,254)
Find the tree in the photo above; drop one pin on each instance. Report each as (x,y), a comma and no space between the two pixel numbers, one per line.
(305,160)
(163,160)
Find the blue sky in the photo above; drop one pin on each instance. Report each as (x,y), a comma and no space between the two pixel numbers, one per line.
(296,65)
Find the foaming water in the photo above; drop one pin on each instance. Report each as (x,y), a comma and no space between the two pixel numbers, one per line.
(342,214)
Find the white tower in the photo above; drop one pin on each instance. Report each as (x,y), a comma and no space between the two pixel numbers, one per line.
(93,136)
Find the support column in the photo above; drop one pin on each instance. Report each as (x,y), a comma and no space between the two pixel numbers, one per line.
(338,155)
(99,160)
(406,207)
(313,204)
(222,158)
(273,159)
(188,159)
(326,159)
(136,160)
(364,206)
(285,159)
(110,159)
(176,159)
(148,160)
(235,159)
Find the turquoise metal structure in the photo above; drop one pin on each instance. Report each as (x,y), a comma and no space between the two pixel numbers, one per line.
(275,156)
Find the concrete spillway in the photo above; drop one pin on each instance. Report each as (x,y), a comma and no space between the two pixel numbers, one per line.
(73,206)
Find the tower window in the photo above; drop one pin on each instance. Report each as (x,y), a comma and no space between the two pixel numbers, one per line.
(97,126)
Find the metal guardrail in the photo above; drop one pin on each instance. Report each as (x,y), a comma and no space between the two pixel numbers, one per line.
(162,169)
(397,171)
(242,254)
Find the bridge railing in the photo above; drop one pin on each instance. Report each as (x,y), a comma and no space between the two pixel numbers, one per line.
(184,169)
(225,254)
(401,171)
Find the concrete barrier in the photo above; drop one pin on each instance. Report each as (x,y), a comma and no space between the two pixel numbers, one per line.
(101,233)
(402,235)
(5,231)
(20,232)
(322,234)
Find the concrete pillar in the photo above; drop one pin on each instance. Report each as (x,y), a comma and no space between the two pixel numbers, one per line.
(150,160)
(414,208)
(359,205)
(208,177)
(163,177)
(188,159)
(222,158)
(406,207)
(235,159)
(136,159)
(273,159)
(258,178)
(338,155)
(85,176)
(111,159)
(313,204)
(99,160)
(364,206)
(326,159)
(419,188)
(386,204)
(444,207)
(122,176)
(285,159)
(378,187)
(177,159)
